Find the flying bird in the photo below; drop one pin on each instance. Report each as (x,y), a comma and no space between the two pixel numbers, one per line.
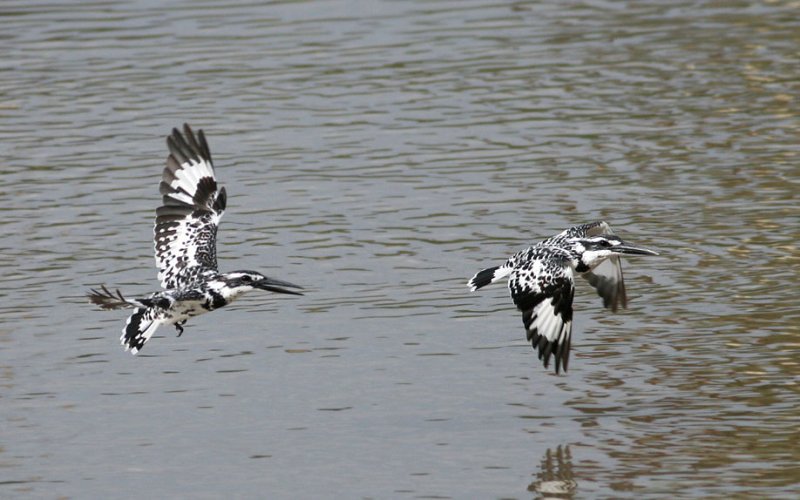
(185,237)
(542,284)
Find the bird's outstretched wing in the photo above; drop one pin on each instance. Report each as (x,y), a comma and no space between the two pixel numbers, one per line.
(186,223)
(543,288)
(606,278)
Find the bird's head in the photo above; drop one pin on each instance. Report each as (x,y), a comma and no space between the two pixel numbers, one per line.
(244,281)
(595,249)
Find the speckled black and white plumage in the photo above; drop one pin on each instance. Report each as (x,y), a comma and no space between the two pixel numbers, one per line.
(185,249)
(542,285)
(185,233)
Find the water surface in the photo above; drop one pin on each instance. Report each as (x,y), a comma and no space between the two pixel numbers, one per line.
(380,154)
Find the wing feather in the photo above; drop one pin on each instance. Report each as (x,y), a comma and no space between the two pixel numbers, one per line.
(607,279)
(545,299)
(192,205)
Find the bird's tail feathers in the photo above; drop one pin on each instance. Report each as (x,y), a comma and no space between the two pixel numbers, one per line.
(141,325)
(107,299)
(488,276)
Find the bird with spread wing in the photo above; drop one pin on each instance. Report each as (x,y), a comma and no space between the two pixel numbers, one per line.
(185,237)
(542,284)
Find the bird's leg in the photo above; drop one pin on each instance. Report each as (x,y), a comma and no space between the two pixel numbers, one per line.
(179,327)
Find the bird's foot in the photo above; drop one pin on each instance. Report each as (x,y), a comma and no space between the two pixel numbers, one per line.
(179,328)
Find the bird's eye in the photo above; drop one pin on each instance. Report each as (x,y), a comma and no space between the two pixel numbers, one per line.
(246,278)
(605,243)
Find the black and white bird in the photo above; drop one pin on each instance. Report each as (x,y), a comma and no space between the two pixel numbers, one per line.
(185,246)
(542,284)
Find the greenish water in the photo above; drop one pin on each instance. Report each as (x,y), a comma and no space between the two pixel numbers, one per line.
(380,154)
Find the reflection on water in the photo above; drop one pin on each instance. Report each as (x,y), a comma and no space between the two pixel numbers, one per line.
(379,158)
(554,478)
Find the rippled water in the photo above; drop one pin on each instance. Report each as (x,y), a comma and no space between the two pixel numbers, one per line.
(381,153)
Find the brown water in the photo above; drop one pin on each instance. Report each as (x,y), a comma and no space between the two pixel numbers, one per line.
(380,154)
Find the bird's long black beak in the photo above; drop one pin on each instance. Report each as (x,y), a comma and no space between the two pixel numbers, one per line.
(277,286)
(631,250)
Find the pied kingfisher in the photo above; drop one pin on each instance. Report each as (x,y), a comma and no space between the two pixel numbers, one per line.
(185,237)
(541,282)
